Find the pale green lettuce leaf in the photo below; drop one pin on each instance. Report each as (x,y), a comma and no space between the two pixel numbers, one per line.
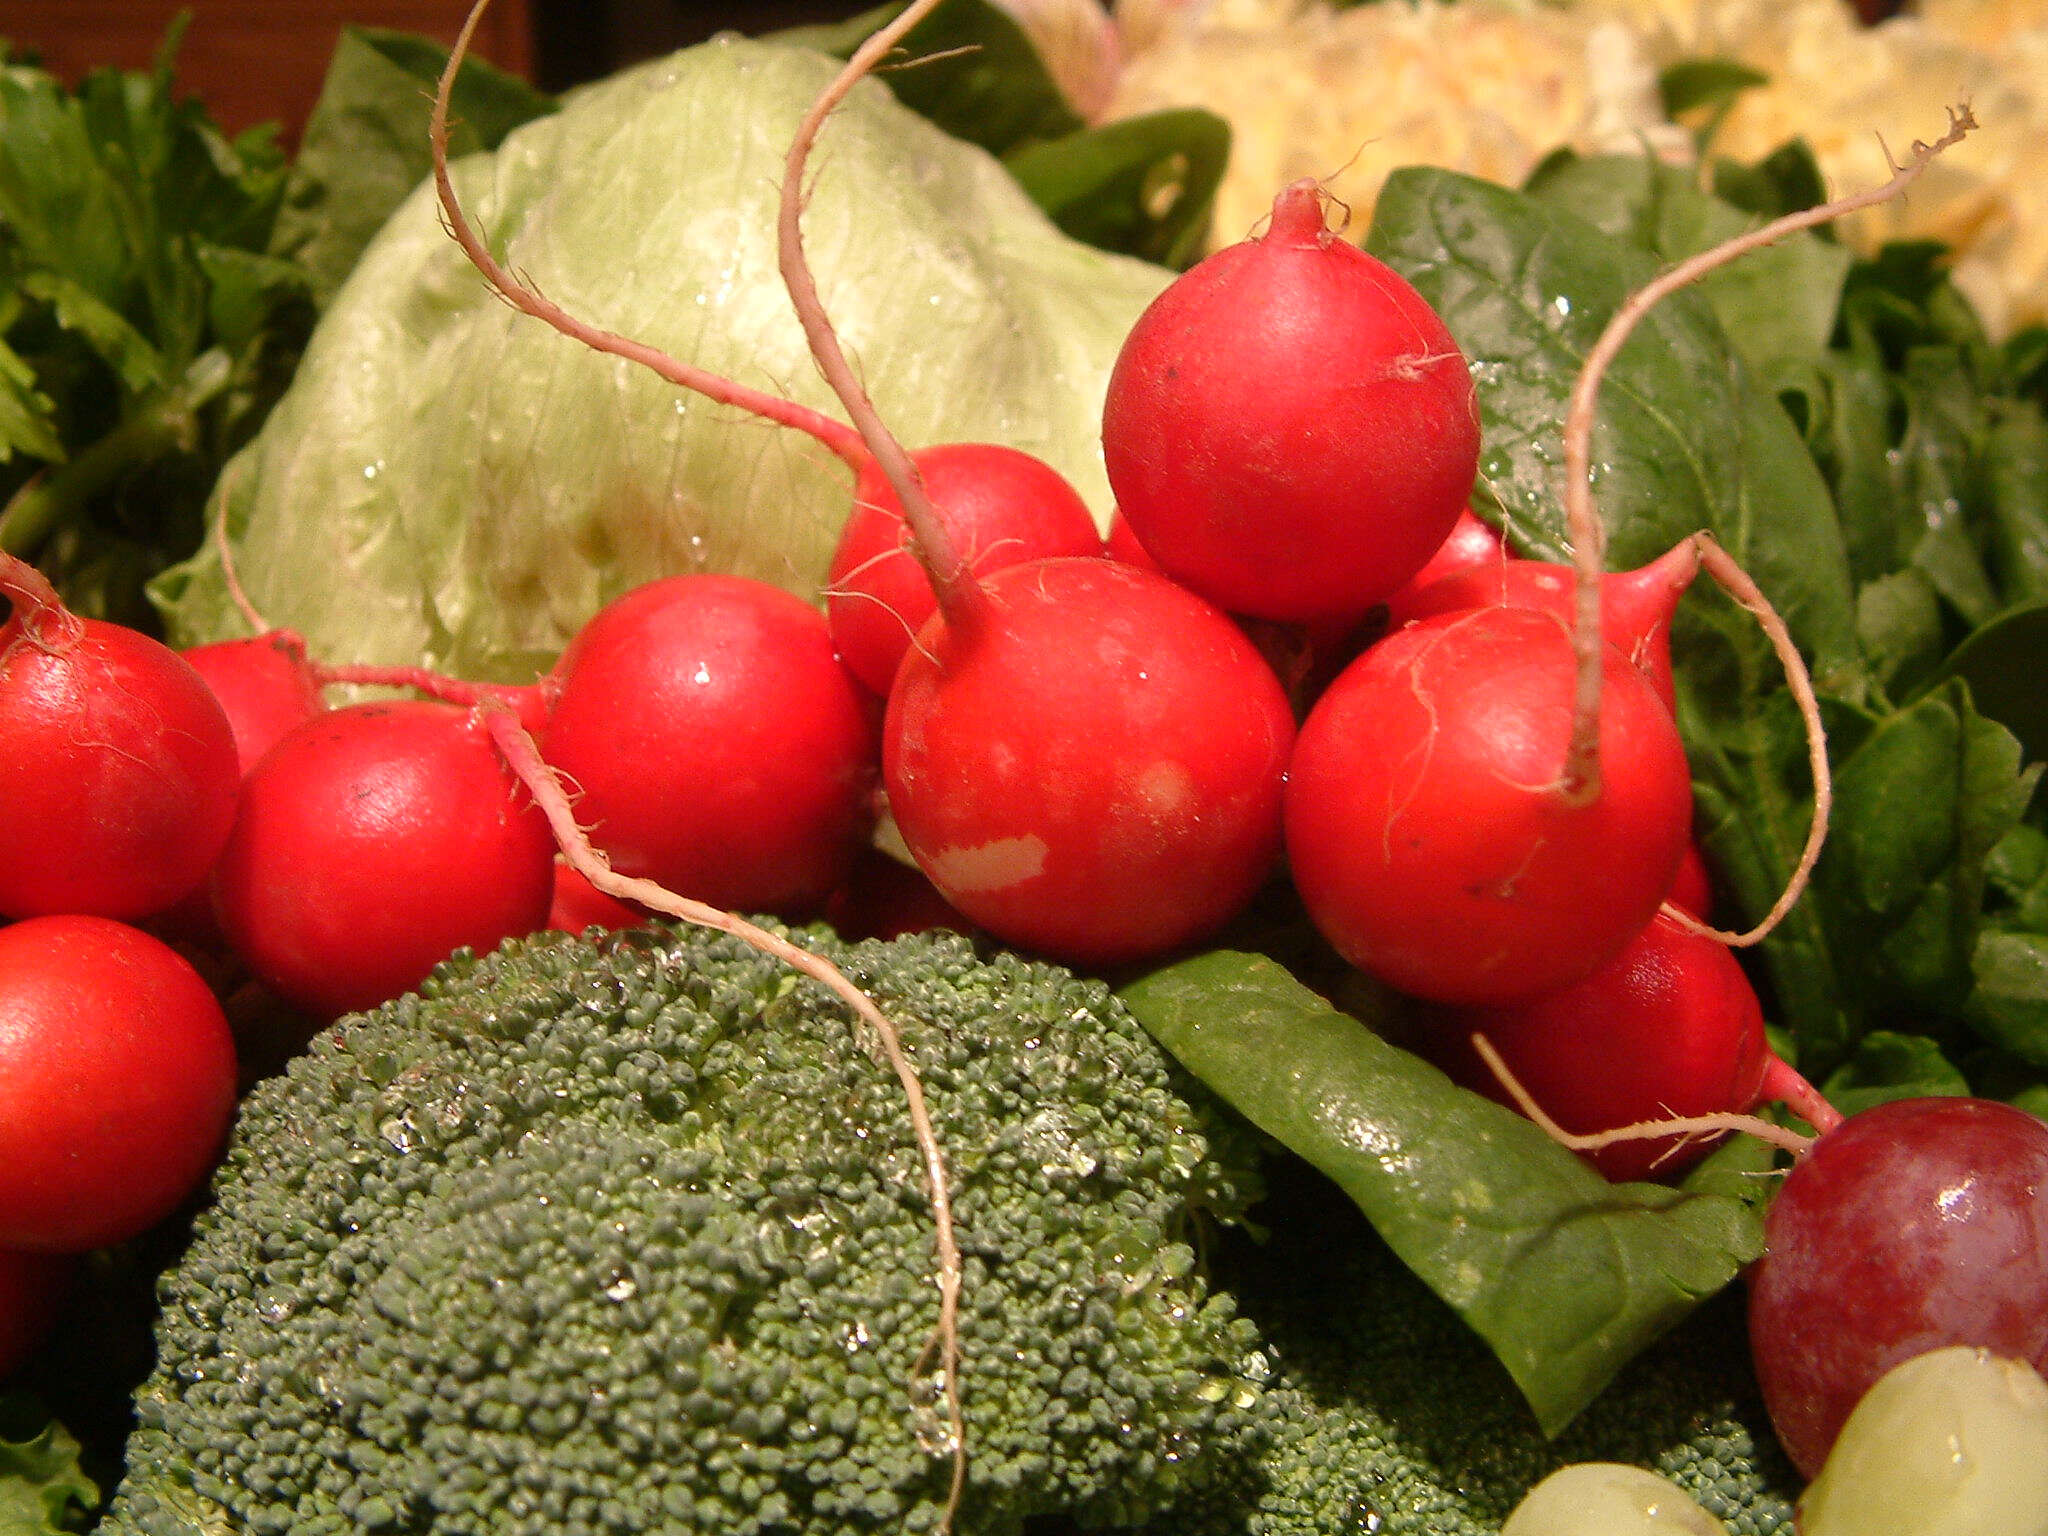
(451,483)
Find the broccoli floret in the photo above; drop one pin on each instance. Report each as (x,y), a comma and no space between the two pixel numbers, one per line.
(1395,1420)
(633,1237)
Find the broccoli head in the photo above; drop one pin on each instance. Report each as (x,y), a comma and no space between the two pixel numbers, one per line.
(1389,1416)
(632,1237)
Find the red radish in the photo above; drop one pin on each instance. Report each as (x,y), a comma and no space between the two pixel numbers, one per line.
(266,685)
(578,905)
(372,841)
(31,1290)
(1007,506)
(1002,508)
(1427,829)
(117,1079)
(715,743)
(117,764)
(1088,764)
(1122,544)
(1635,606)
(1470,545)
(885,898)
(1669,1027)
(1289,428)
(1914,1225)
(1692,888)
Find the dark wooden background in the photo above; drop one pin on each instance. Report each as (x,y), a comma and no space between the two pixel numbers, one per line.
(261,60)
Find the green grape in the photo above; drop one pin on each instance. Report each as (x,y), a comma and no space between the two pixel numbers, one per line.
(1950,1443)
(1606,1498)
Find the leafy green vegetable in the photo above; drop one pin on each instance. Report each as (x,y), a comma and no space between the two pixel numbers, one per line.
(1778,302)
(1888,1065)
(365,145)
(1144,186)
(452,483)
(1565,1275)
(1141,186)
(1769,412)
(967,67)
(43,1490)
(144,328)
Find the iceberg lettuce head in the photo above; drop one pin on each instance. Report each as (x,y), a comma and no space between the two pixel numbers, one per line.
(451,483)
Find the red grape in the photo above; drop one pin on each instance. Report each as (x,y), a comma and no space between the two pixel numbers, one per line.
(1917,1224)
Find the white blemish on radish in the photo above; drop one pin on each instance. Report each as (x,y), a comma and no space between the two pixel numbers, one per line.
(991,866)
(1163,788)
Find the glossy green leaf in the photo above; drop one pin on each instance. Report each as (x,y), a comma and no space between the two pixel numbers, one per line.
(1920,806)
(1692,84)
(967,67)
(1889,1065)
(2010,1004)
(2006,665)
(1775,303)
(365,144)
(43,1490)
(1563,1274)
(1143,186)
(1686,439)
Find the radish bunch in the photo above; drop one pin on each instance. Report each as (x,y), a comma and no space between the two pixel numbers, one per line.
(117,1069)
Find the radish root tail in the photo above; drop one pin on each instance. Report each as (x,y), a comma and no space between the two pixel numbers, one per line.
(1580,781)
(960,596)
(522,295)
(1736,582)
(46,623)
(1643,1130)
(524,757)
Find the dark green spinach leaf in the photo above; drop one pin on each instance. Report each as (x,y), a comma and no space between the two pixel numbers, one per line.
(365,146)
(1143,186)
(1565,1275)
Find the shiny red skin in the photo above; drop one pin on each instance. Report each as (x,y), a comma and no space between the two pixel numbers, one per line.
(1001,506)
(1121,544)
(1424,830)
(886,898)
(579,905)
(1911,1226)
(31,1289)
(1289,428)
(1669,1027)
(1636,606)
(117,1081)
(1092,771)
(715,743)
(117,772)
(373,841)
(1470,545)
(1692,888)
(263,684)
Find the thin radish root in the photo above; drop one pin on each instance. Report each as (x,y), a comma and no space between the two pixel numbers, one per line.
(521,294)
(1736,582)
(46,623)
(523,755)
(435,685)
(1643,1130)
(960,598)
(1579,783)
(950,578)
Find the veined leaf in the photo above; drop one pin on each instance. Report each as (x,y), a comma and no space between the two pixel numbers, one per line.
(1565,1275)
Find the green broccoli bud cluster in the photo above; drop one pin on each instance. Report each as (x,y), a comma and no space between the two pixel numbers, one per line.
(1390,1417)
(594,1239)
